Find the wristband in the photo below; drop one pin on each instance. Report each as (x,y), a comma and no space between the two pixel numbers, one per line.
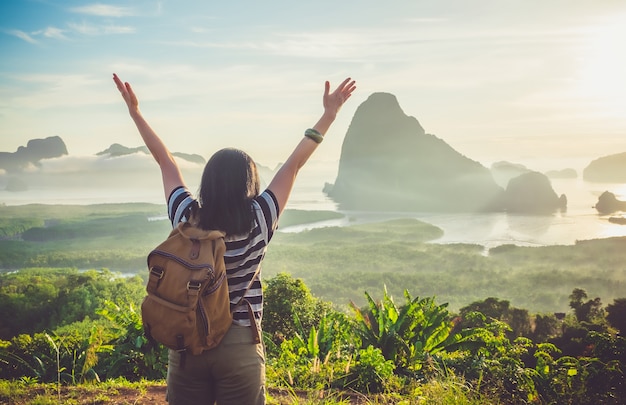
(314,135)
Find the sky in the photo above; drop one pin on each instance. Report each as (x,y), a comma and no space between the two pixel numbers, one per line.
(541,83)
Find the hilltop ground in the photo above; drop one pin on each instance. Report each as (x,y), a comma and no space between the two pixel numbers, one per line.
(150,394)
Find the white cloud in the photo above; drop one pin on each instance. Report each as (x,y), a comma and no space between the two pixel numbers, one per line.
(84,28)
(30,168)
(199,30)
(55,90)
(22,35)
(95,29)
(391,45)
(53,32)
(103,10)
(87,164)
(118,29)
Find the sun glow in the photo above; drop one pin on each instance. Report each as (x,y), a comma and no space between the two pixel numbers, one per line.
(603,72)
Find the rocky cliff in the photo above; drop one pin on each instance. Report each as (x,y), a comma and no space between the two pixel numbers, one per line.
(532,192)
(607,169)
(31,154)
(388,162)
(608,203)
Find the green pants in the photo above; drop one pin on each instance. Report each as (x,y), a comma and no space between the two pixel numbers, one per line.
(233,373)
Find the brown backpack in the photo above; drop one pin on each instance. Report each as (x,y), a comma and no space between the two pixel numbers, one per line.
(187,308)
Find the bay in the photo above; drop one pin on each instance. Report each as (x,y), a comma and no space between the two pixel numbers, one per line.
(580,222)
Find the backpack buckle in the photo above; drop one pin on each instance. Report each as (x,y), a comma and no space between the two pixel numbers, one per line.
(157,272)
(155,276)
(194,285)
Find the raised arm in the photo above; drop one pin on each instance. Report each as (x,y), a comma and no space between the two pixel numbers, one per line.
(170,172)
(283,180)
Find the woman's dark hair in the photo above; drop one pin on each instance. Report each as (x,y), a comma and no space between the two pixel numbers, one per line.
(229,183)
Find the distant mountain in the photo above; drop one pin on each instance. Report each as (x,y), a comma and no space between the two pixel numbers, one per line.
(45,163)
(608,203)
(191,157)
(31,154)
(568,173)
(607,169)
(532,192)
(120,150)
(388,162)
(504,171)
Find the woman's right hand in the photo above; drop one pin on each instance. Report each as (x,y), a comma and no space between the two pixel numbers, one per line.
(171,175)
(127,93)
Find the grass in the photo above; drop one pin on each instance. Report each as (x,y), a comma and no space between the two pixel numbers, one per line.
(108,392)
(445,391)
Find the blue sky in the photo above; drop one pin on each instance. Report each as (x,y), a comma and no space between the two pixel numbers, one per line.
(535,82)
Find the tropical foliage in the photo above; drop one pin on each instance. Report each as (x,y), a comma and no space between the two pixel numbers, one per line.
(401,350)
(330,321)
(33,300)
(411,334)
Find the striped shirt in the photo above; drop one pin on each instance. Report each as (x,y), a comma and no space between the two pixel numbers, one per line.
(244,253)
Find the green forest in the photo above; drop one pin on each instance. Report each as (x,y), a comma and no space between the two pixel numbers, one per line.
(374,309)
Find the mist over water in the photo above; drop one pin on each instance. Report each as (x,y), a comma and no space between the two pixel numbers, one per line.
(580,222)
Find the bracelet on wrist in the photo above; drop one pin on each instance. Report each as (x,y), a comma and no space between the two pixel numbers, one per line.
(314,135)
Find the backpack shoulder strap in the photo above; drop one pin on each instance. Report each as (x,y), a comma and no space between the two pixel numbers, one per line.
(256,333)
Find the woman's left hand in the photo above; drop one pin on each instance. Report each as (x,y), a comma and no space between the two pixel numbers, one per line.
(333,101)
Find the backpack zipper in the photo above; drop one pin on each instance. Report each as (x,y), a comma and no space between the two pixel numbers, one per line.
(211,289)
(204,325)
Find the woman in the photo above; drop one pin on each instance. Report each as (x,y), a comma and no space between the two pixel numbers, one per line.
(229,200)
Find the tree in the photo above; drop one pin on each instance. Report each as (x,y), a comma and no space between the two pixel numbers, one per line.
(501,310)
(546,327)
(585,311)
(33,300)
(285,296)
(490,307)
(519,321)
(616,314)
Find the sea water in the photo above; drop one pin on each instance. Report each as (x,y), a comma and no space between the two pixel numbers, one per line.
(581,221)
